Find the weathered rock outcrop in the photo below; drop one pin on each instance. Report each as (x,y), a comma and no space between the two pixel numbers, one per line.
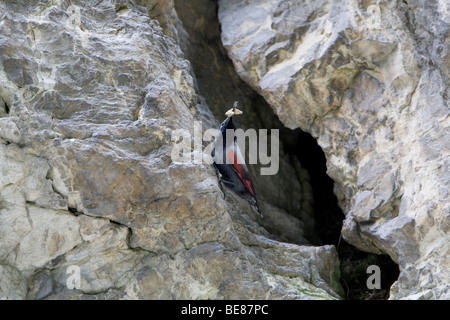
(90,96)
(369,80)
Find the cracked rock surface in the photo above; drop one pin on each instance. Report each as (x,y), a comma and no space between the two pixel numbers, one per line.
(370,81)
(90,96)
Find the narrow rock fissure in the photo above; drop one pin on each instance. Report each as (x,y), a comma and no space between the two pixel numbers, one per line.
(6,108)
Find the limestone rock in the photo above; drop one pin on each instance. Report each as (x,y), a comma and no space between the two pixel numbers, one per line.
(13,285)
(92,206)
(369,81)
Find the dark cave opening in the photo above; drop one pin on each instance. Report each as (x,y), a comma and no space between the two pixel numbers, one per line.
(328,224)
(327,213)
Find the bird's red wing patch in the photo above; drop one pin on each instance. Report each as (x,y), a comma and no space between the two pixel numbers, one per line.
(241,172)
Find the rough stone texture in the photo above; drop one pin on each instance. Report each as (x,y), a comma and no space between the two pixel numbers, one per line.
(90,96)
(369,80)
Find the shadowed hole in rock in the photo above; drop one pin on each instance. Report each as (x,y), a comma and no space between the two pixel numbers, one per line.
(74,211)
(328,224)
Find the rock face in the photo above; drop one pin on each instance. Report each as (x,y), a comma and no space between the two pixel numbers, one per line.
(369,80)
(91,204)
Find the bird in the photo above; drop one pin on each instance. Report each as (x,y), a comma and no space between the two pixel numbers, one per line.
(233,173)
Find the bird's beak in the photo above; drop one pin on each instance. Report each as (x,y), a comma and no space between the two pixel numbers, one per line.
(233,111)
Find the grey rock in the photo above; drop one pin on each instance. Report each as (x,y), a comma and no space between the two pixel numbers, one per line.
(42,285)
(13,285)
